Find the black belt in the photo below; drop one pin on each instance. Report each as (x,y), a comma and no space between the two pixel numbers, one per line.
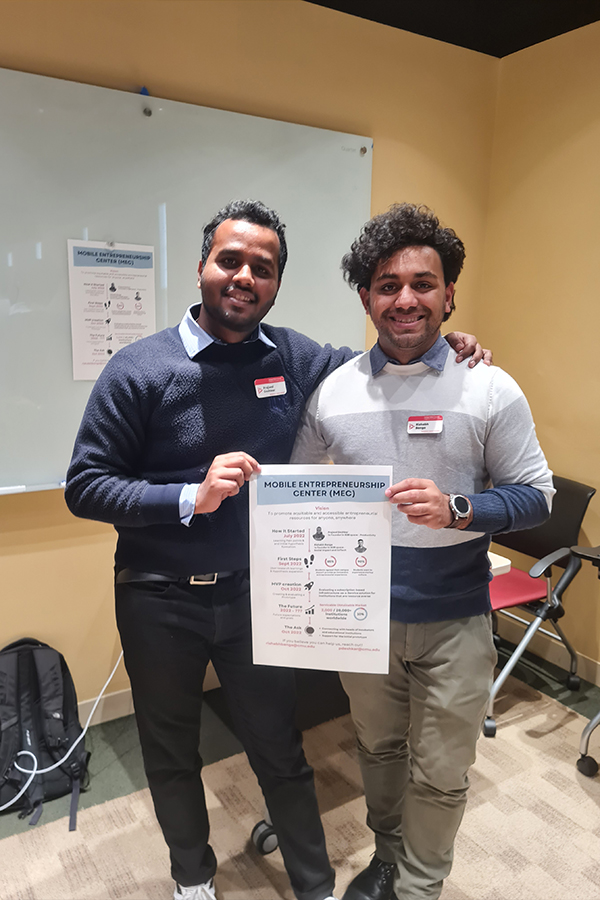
(125,576)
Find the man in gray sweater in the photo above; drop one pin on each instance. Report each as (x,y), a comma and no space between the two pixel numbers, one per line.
(467,464)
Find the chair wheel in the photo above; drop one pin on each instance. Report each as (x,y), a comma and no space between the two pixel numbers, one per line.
(573,682)
(587,765)
(489,727)
(264,838)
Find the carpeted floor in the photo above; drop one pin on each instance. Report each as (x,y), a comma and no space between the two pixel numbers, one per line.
(531,831)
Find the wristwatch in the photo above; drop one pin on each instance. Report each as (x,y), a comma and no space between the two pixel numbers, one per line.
(460,508)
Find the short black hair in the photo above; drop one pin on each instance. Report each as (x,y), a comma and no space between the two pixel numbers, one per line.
(248,211)
(403,225)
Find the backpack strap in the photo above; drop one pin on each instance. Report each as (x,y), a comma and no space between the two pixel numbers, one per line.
(38,808)
(50,667)
(56,693)
(9,718)
(50,682)
(74,804)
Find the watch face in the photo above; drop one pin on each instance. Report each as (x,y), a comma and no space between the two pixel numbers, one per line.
(461,505)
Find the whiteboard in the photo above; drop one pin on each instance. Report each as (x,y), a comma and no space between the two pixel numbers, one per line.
(84,162)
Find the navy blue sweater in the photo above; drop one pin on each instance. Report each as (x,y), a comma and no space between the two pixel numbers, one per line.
(155,421)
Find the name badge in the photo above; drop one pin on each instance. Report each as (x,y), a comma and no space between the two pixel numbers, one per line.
(425,424)
(270,387)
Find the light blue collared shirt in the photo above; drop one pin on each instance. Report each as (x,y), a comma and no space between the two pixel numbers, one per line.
(435,357)
(195,339)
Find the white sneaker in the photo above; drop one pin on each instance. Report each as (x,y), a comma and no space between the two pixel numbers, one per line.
(331,898)
(204,891)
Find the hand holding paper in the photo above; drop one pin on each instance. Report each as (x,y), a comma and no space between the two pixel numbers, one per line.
(226,475)
(421,501)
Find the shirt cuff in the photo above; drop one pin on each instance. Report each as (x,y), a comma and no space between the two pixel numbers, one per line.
(187,503)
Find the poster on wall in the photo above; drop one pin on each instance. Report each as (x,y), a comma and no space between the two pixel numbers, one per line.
(320,556)
(111,288)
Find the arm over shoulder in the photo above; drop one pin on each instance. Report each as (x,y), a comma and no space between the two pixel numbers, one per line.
(306,361)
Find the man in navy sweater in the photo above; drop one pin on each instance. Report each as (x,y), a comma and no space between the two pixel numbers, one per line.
(157,456)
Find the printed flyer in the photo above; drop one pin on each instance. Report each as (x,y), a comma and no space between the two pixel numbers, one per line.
(111,287)
(320,555)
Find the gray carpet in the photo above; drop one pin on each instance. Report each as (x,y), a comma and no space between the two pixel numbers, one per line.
(531,831)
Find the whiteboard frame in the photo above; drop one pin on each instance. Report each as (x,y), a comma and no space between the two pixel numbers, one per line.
(84,162)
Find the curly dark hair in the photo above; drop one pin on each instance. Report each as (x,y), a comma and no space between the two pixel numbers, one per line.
(252,211)
(403,225)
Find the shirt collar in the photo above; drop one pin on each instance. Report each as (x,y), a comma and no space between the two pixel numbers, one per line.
(435,357)
(195,339)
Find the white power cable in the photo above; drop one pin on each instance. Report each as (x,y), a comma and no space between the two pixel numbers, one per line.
(35,771)
(27,783)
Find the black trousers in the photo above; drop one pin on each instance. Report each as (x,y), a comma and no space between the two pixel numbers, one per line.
(169,632)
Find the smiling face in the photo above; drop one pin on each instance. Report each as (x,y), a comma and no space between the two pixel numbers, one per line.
(407,302)
(239,281)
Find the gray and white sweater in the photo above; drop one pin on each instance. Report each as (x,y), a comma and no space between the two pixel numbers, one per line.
(487,449)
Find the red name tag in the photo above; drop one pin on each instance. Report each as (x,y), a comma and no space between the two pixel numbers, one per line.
(425,424)
(270,387)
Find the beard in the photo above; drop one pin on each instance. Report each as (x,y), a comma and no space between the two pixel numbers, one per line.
(240,320)
(409,340)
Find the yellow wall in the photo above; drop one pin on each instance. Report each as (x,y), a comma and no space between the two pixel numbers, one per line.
(541,276)
(426,104)
(431,109)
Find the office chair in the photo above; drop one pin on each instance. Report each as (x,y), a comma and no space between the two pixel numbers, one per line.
(550,543)
(587,765)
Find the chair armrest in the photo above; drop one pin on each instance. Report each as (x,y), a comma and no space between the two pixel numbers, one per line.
(590,553)
(542,564)
(571,570)
(573,567)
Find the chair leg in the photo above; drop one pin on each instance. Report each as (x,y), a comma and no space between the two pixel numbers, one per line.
(514,659)
(573,679)
(587,765)
(585,734)
(495,636)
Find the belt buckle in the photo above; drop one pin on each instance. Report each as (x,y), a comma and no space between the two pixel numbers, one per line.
(204,579)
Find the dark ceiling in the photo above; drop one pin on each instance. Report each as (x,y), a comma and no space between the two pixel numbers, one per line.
(495,27)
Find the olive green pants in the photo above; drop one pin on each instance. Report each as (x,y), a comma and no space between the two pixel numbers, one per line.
(416,730)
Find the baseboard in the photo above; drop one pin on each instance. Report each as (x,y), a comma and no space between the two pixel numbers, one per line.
(111,706)
(120,703)
(550,650)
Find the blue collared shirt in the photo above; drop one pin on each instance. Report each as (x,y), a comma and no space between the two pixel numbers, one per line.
(435,357)
(195,339)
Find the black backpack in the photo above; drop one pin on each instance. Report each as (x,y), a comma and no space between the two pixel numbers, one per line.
(38,713)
